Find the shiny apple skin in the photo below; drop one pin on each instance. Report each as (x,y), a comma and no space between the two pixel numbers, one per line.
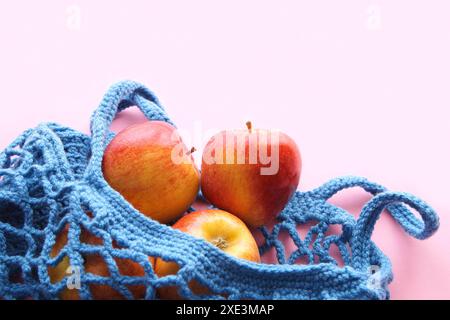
(241,189)
(138,164)
(210,225)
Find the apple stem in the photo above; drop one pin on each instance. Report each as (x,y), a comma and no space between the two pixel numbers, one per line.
(191,151)
(249,126)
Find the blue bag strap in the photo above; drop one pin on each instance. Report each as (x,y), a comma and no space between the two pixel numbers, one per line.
(119,97)
(394,202)
(330,188)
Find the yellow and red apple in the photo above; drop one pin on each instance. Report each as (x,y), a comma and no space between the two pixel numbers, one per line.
(220,228)
(95,264)
(250,173)
(153,170)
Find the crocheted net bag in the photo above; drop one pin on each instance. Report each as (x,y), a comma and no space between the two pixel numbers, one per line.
(51,177)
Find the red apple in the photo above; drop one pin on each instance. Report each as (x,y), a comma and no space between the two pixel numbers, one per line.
(94,264)
(251,173)
(218,227)
(151,167)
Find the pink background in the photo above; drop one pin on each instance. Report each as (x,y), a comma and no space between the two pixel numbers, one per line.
(362,86)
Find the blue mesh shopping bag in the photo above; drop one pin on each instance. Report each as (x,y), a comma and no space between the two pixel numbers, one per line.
(51,183)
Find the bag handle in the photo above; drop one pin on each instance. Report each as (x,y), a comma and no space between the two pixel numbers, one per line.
(330,188)
(395,203)
(119,97)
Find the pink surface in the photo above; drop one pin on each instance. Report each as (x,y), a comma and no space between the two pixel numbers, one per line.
(362,86)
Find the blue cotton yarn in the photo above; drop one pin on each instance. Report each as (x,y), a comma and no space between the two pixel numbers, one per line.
(51,176)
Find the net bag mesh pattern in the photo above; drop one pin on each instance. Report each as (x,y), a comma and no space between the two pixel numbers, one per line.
(51,180)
